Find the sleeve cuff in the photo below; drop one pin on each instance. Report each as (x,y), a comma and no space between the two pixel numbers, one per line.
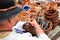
(42,35)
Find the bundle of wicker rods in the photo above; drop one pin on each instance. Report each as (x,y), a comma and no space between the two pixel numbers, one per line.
(49,28)
(52,15)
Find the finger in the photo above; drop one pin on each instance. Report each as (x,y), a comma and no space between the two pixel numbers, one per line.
(29,22)
(34,20)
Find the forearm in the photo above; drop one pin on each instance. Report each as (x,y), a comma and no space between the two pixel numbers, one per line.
(38,31)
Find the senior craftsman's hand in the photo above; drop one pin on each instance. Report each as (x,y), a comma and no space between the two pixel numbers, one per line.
(34,28)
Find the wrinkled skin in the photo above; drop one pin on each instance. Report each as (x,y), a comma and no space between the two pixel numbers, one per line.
(33,27)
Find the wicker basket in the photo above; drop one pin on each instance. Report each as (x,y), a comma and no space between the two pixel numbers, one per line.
(53,16)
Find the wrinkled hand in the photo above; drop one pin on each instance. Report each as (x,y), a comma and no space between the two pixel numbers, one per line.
(33,23)
(34,28)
